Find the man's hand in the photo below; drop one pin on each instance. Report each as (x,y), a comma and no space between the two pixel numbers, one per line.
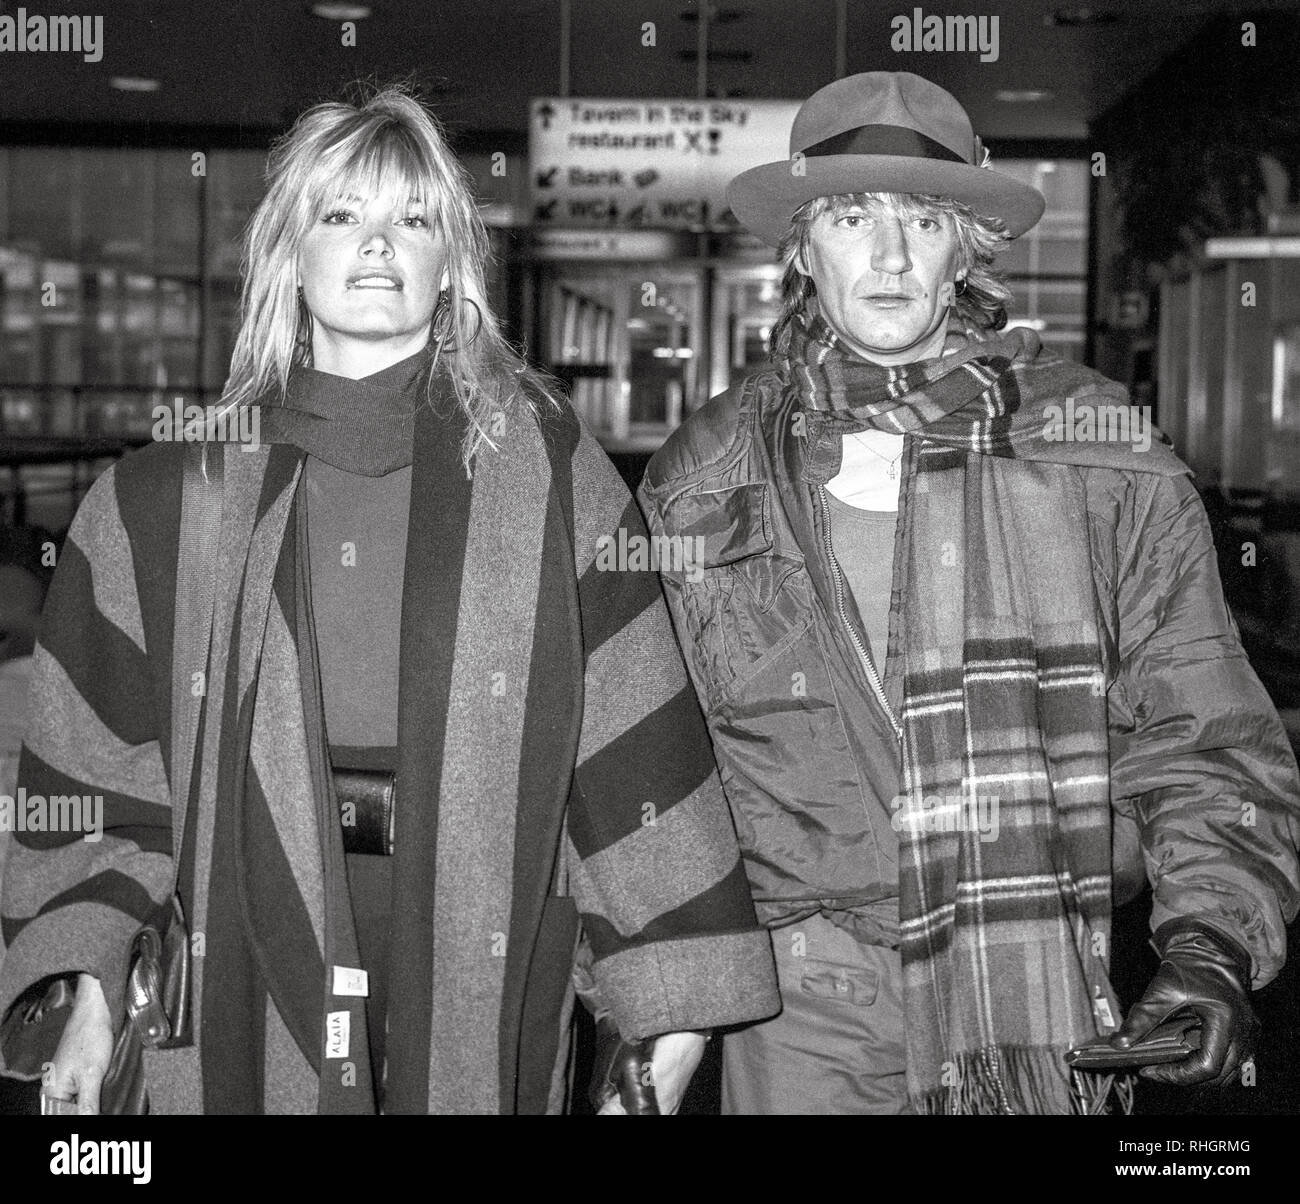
(673,1062)
(84,1051)
(1205,972)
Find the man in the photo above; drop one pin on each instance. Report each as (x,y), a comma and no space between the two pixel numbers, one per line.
(938,642)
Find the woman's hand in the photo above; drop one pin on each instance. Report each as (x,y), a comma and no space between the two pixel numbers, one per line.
(81,1061)
(675,1057)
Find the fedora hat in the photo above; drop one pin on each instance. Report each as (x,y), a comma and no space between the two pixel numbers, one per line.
(882,131)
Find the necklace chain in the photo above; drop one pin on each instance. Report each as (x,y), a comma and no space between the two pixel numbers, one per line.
(892,472)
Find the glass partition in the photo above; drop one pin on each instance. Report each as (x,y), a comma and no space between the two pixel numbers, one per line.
(625,342)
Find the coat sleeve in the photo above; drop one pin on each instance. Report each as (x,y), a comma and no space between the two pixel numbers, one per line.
(74,897)
(654,866)
(1200,754)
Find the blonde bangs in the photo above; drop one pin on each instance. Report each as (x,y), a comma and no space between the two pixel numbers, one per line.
(380,159)
(387,147)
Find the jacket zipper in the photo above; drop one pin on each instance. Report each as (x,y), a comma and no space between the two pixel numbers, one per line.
(872,676)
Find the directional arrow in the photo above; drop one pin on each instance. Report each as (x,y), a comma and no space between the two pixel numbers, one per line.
(546,179)
(544,212)
(546,113)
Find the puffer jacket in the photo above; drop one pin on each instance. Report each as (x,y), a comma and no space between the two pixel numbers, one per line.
(805,727)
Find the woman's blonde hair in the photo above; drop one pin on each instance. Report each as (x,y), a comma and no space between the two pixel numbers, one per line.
(984,300)
(385,142)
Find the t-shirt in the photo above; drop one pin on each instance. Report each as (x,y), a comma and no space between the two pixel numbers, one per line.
(863,542)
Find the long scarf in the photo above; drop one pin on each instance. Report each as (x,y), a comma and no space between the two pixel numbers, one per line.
(1004,855)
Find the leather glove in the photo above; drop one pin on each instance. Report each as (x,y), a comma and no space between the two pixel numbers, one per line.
(622,1068)
(1203,973)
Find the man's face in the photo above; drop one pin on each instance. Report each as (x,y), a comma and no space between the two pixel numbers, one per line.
(884,278)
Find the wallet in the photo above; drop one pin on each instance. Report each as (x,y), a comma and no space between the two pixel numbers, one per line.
(1171,1041)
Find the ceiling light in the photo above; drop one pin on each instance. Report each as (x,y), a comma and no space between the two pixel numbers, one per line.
(717,16)
(717,56)
(338,10)
(1082,15)
(1021,96)
(134,83)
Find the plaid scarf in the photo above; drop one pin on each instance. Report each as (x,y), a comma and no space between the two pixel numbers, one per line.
(1004,858)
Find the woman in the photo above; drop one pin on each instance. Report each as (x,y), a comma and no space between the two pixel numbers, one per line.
(406,582)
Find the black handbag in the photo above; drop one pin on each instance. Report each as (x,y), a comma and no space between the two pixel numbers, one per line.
(157,1016)
(157,992)
(157,1012)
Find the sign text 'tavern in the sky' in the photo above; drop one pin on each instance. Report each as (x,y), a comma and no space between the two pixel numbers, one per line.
(651,163)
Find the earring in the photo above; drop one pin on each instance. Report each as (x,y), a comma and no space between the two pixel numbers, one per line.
(441,316)
(441,324)
(960,287)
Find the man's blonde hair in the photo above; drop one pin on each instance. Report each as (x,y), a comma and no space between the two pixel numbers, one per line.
(983,302)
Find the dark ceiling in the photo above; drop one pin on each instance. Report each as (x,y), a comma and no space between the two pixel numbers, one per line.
(255,63)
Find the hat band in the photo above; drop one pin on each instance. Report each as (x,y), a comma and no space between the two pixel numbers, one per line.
(882,140)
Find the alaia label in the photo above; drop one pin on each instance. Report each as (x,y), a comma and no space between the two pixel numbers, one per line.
(338,1034)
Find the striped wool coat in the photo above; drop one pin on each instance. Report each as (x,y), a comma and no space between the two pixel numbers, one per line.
(573,751)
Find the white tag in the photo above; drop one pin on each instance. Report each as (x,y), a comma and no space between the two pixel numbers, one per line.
(338,1034)
(351,982)
(1105,1018)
